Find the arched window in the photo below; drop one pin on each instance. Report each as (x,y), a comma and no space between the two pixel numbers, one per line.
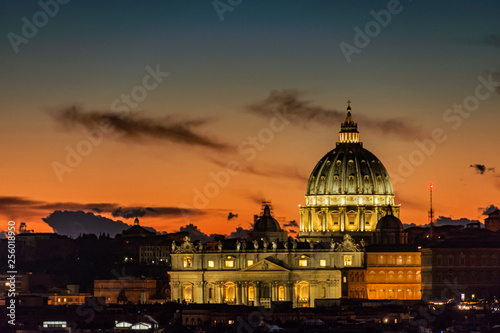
(303,291)
(251,294)
(281,293)
(188,292)
(229,291)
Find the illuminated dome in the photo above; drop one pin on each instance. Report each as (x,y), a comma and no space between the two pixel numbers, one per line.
(348,190)
(349,169)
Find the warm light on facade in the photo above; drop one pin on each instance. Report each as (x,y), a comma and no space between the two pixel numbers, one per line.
(188,262)
(211,264)
(322,262)
(303,262)
(348,260)
(249,262)
(229,263)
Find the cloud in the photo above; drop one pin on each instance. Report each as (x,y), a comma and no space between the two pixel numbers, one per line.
(303,112)
(197,234)
(292,224)
(271,171)
(73,224)
(240,233)
(22,208)
(480,168)
(138,128)
(446,220)
(231,216)
(291,231)
(257,198)
(488,210)
(133,212)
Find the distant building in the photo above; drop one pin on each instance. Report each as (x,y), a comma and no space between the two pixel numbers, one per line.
(125,290)
(492,222)
(461,269)
(392,273)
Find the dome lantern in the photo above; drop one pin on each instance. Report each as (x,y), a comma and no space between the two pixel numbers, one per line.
(349,129)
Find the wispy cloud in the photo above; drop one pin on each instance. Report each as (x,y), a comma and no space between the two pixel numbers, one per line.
(12,205)
(139,128)
(305,112)
(271,171)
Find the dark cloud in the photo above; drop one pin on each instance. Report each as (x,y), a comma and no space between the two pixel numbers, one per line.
(133,127)
(73,224)
(480,168)
(133,212)
(231,216)
(291,231)
(303,112)
(257,198)
(15,206)
(446,220)
(271,171)
(240,233)
(292,224)
(197,234)
(488,210)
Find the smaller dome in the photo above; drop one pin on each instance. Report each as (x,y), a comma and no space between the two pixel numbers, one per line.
(389,222)
(266,223)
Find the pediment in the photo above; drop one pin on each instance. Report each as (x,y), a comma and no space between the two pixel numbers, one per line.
(265,265)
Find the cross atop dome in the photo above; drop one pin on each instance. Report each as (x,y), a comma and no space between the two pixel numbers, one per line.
(349,129)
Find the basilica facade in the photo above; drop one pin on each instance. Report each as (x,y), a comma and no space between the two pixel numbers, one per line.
(349,204)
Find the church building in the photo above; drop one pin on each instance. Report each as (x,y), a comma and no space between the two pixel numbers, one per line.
(349,205)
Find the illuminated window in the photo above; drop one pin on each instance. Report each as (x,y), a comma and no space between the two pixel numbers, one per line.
(303,262)
(251,293)
(281,293)
(188,262)
(348,260)
(211,263)
(322,262)
(229,263)
(188,292)
(249,262)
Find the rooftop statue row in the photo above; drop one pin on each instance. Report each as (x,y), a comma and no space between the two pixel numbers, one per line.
(348,244)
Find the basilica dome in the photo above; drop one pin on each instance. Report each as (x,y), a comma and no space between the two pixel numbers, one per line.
(266,223)
(349,169)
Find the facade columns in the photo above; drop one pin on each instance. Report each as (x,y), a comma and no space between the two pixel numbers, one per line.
(313,286)
(200,292)
(175,291)
(342,218)
(238,292)
(219,291)
(274,291)
(257,293)
(294,294)
(324,214)
(361,215)
(288,291)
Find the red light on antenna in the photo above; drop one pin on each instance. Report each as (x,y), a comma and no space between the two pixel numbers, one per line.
(431,185)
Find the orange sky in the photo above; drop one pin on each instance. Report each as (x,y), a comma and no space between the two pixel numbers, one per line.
(403,85)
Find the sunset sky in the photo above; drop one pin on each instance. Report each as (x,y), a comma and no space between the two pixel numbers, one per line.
(180,89)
